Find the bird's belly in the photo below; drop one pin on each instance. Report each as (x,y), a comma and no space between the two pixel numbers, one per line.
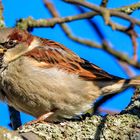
(25,98)
(37,91)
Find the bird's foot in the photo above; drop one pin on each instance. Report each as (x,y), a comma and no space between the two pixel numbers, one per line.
(41,119)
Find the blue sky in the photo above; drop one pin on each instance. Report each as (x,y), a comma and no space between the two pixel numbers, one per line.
(16,9)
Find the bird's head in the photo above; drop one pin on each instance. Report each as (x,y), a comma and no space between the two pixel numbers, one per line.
(14,43)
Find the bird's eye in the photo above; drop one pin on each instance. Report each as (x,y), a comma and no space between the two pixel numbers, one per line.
(11,43)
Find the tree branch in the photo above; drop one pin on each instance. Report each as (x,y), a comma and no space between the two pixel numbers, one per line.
(30,22)
(95,127)
(103,11)
(2,24)
(129,8)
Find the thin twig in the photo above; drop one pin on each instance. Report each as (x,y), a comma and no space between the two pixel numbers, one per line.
(103,11)
(133,35)
(2,24)
(129,8)
(30,22)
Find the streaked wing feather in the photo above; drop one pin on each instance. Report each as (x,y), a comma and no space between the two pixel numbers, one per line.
(52,54)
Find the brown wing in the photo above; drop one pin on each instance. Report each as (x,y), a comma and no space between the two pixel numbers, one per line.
(52,54)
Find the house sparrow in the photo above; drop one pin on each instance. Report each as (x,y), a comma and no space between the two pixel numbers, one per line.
(47,80)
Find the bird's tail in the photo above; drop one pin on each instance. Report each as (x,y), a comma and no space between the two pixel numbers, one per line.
(116,86)
(135,81)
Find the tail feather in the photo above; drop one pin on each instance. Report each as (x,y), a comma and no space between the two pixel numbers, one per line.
(135,81)
(112,87)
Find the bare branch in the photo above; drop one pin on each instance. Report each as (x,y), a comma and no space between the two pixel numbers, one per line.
(133,35)
(129,8)
(102,11)
(2,24)
(30,22)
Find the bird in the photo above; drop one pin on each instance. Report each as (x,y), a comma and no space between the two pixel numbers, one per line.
(45,79)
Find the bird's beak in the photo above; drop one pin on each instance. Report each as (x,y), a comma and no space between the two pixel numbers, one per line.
(2,50)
